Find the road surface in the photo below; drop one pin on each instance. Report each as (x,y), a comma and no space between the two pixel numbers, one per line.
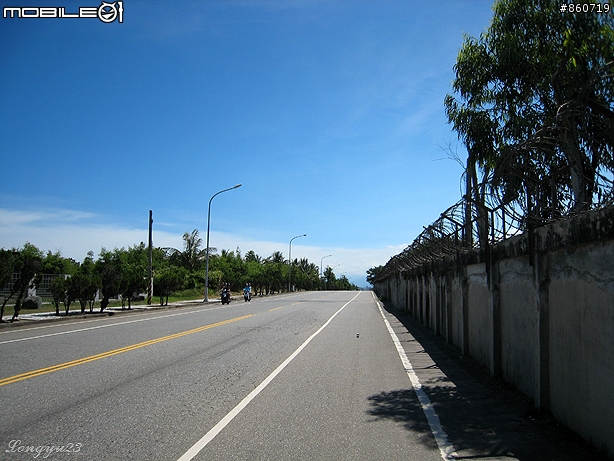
(305,376)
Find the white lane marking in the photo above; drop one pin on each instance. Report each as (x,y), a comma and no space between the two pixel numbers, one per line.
(52,325)
(445,447)
(213,432)
(8,330)
(107,325)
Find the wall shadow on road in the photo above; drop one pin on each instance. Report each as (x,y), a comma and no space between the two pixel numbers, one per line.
(402,406)
(472,441)
(484,418)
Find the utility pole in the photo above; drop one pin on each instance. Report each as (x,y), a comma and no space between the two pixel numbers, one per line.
(149,260)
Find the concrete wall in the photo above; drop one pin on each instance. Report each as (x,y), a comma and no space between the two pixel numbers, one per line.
(480,320)
(581,298)
(519,324)
(544,321)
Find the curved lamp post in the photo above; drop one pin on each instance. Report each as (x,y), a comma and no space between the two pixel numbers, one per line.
(208,227)
(321,264)
(290,261)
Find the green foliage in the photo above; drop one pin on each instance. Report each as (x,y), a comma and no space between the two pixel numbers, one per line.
(55,263)
(28,264)
(169,280)
(66,290)
(85,284)
(216,279)
(373,272)
(305,275)
(123,272)
(7,264)
(275,273)
(108,269)
(57,289)
(541,76)
(71,292)
(192,256)
(331,282)
(7,267)
(329,278)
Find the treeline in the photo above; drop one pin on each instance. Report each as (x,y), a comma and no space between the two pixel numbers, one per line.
(122,273)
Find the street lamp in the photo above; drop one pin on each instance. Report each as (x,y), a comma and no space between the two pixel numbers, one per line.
(290,261)
(208,227)
(321,264)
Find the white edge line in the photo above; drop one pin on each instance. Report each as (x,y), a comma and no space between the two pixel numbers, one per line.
(445,447)
(213,432)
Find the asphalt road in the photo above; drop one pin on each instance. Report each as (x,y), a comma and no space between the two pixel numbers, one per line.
(307,376)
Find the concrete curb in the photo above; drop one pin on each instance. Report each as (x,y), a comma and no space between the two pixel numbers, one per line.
(74,314)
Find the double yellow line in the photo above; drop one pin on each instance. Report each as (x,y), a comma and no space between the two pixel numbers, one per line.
(91,358)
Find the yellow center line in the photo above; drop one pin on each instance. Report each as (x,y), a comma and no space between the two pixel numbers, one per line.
(91,358)
(281,307)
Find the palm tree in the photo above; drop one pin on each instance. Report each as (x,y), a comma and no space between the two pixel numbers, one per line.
(192,255)
(277,257)
(251,256)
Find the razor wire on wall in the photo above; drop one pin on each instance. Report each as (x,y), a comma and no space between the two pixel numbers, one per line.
(468,226)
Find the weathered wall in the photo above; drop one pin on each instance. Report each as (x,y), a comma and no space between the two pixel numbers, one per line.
(519,323)
(543,320)
(581,343)
(480,315)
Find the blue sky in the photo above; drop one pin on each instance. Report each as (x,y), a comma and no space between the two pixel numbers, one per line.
(329,112)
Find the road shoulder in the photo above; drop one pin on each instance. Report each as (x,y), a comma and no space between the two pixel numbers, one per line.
(483,416)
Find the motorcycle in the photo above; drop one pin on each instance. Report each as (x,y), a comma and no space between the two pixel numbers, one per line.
(247,296)
(225,296)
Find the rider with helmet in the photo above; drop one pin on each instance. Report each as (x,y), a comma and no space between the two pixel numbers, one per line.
(247,292)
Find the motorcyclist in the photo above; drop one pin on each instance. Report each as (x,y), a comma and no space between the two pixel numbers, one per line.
(247,292)
(226,293)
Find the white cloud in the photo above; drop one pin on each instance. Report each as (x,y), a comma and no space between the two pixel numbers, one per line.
(17,217)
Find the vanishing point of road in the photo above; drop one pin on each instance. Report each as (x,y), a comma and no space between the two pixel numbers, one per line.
(304,376)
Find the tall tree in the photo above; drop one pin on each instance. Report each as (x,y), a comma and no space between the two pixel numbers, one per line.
(85,285)
(274,272)
(133,265)
(108,268)
(329,278)
(168,280)
(91,282)
(373,272)
(58,292)
(192,255)
(305,276)
(29,263)
(55,263)
(535,97)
